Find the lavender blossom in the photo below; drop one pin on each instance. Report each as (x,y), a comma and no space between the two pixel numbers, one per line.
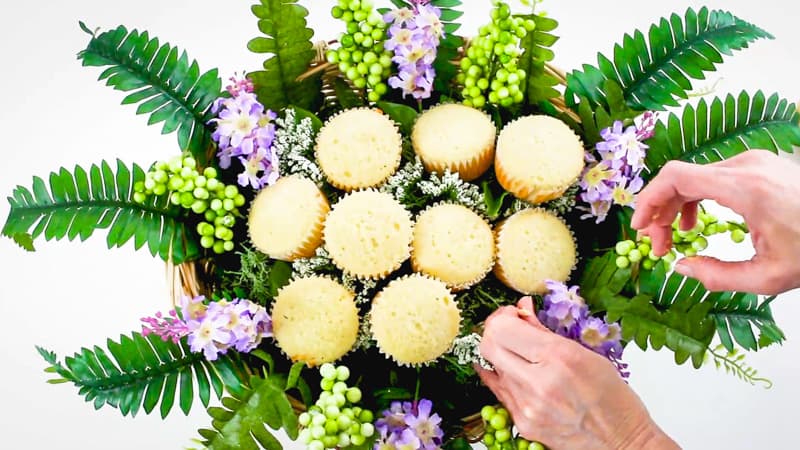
(409,426)
(245,129)
(414,37)
(565,312)
(616,177)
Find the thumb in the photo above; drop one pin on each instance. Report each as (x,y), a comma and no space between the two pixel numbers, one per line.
(527,311)
(716,275)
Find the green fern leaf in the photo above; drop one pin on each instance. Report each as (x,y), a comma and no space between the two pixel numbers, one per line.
(287,38)
(240,423)
(736,314)
(449,44)
(140,373)
(723,129)
(734,364)
(539,85)
(165,84)
(78,203)
(655,71)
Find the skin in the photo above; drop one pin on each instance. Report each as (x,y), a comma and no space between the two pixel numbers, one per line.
(541,377)
(758,185)
(543,380)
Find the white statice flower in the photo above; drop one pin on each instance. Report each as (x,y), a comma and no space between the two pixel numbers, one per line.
(467,351)
(560,205)
(364,338)
(294,143)
(451,187)
(363,289)
(305,267)
(404,180)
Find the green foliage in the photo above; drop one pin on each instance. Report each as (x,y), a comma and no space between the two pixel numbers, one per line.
(166,84)
(733,362)
(594,120)
(448,44)
(536,54)
(675,319)
(240,422)
(258,275)
(345,95)
(78,203)
(403,115)
(287,38)
(24,240)
(736,314)
(723,129)
(145,372)
(655,71)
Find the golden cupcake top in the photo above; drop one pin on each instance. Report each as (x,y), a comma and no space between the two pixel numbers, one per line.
(414,319)
(314,320)
(455,137)
(533,245)
(359,148)
(453,244)
(368,234)
(286,218)
(538,157)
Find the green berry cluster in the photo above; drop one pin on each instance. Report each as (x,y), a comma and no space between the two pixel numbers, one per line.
(335,421)
(202,193)
(491,61)
(361,55)
(498,435)
(687,243)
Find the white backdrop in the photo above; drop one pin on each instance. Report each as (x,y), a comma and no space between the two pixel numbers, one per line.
(69,295)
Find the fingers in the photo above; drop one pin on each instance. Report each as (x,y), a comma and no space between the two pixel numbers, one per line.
(679,183)
(516,336)
(742,276)
(527,312)
(689,216)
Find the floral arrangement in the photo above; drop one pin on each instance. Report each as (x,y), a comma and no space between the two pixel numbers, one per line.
(353,211)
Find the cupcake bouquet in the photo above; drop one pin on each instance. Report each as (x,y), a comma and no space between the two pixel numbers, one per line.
(341,222)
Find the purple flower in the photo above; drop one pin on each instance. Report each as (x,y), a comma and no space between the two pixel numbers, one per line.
(414,38)
(170,328)
(208,336)
(245,129)
(616,177)
(563,308)
(426,426)
(239,85)
(565,312)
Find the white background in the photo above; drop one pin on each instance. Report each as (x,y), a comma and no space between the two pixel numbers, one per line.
(69,295)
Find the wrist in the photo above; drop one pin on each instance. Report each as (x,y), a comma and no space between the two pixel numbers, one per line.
(648,436)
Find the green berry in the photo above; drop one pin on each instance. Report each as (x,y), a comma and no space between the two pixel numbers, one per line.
(331,425)
(326,384)
(357,440)
(488,439)
(304,419)
(635,255)
(342,373)
(228,245)
(367,429)
(644,249)
(328,371)
(522,444)
(219,247)
(207,241)
(700,244)
(487,412)
(623,247)
(737,236)
(536,446)
(623,262)
(339,387)
(353,395)
(502,435)
(498,422)
(366,416)
(648,264)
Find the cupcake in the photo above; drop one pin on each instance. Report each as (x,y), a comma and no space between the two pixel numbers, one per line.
(314,320)
(455,137)
(454,244)
(414,319)
(538,158)
(286,218)
(359,148)
(533,245)
(368,234)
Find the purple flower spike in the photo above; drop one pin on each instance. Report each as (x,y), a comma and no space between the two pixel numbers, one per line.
(414,37)
(616,177)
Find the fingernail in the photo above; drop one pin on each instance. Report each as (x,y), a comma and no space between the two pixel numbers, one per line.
(684,269)
(524,312)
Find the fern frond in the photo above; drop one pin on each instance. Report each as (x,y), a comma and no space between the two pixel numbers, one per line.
(655,71)
(78,203)
(539,85)
(734,363)
(737,313)
(166,84)
(141,373)
(287,39)
(723,129)
(240,423)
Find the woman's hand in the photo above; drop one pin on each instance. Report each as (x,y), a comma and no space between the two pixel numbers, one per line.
(758,185)
(560,393)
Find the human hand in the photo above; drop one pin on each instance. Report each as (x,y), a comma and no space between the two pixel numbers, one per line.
(560,393)
(758,185)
